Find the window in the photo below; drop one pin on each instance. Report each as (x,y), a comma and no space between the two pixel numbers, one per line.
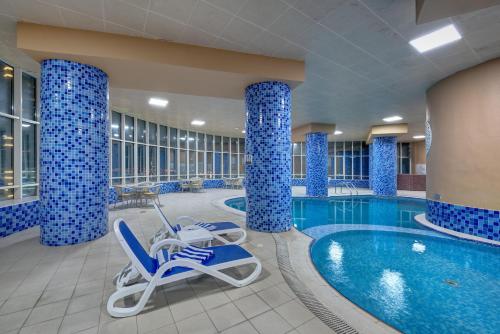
(404,158)
(156,152)
(18,133)
(129,128)
(141,162)
(163,135)
(152,133)
(141,131)
(129,163)
(116,125)
(152,164)
(116,162)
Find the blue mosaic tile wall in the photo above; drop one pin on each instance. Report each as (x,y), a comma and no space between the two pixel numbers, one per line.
(317,164)
(74,180)
(18,217)
(268,142)
(384,166)
(483,223)
(370,165)
(214,183)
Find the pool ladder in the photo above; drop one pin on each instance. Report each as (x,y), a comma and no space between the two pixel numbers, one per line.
(351,188)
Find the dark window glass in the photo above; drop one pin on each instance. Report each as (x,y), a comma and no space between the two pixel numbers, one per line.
(192,163)
(182,139)
(356,148)
(201,163)
(29,153)
(153,129)
(163,164)
(6,156)
(225,162)
(348,166)
(6,88)
(116,159)
(217,163)
(141,161)
(234,164)
(210,143)
(366,166)
(296,148)
(339,147)
(217,143)
(152,163)
(201,142)
(129,160)
(242,165)
(173,138)
(225,144)
(129,128)
(29,97)
(182,163)
(339,166)
(116,125)
(331,148)
(210,164)
(297,166)
(29,191)
(173,163)
(356,172)
(141,131)
(234,145)
(192,140)
(242,145)
(163,135)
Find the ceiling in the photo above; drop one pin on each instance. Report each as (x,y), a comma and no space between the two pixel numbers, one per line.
(359,65)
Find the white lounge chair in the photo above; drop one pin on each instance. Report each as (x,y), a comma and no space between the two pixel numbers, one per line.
(158,272)
(217,229)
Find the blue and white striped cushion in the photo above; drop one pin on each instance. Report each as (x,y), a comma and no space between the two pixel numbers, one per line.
(193,253)
(207,226)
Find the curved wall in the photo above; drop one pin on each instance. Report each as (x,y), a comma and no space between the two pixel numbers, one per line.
(463,163)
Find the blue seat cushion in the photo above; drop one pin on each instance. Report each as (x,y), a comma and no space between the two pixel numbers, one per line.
(149,263)
(222,254)
(219,226)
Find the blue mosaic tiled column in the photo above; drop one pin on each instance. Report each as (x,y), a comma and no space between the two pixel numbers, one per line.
(317,164)
(269,161)
(73,153)
(384,167)
(370,166)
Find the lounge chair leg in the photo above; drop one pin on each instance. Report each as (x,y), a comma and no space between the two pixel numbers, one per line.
(120,312)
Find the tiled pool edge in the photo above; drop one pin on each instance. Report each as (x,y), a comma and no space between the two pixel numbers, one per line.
(336,323)
(421,219)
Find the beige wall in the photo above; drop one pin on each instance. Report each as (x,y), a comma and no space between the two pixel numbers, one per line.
(417,149)
(464,162)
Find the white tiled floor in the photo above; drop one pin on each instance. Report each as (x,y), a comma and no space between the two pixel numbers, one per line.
(65,289)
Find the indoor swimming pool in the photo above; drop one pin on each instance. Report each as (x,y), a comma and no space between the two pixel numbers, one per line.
(372,251)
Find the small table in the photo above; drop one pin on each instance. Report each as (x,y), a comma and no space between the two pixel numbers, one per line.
(195,236)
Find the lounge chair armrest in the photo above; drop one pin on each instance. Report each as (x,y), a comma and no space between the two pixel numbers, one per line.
(170,243)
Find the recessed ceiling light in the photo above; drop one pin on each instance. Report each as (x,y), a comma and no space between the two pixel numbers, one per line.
(197,122)
(243,131)
(337,132)
(158,102)
(436,39)
(392,119)
(419,137)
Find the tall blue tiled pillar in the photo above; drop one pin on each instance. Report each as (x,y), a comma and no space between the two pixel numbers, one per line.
(73,153)
(268,157)
(370,166)
(317,164)
(384,168)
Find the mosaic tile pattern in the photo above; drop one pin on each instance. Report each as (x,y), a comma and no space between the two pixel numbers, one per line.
(317,164)
(18,217)
(482,223)
(384,169)
(74,180)
(214,183)
(268,141)
(370,165)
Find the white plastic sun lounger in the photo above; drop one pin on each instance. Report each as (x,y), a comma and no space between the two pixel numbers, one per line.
(156,272)
(218,229)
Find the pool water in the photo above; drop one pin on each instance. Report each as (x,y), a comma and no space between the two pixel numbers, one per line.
(369,210)
(416,283)
(372,251)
